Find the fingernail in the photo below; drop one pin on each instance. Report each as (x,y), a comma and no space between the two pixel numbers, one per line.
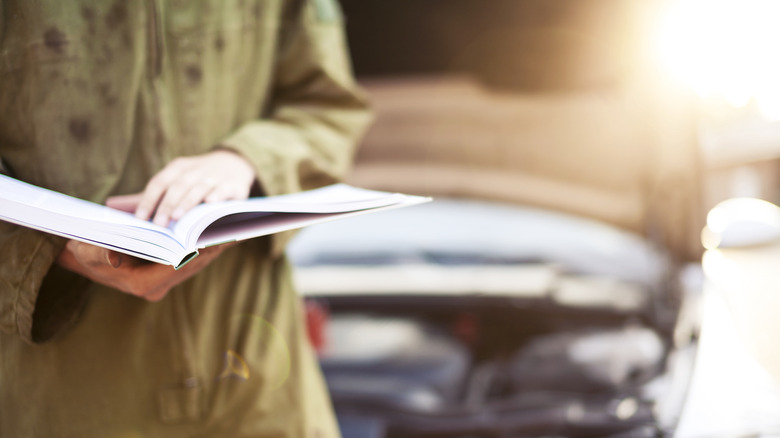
(178,213)
(142,214)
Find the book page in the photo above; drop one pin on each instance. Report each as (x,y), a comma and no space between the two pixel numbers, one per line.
(55,203)
(334,199)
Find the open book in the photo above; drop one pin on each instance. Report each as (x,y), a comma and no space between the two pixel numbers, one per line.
(205,225)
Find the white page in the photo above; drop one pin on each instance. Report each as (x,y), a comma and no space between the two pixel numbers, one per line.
(46,210)
(23,193)
(334,199)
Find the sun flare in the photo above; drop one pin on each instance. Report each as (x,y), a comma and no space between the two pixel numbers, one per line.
(725,48)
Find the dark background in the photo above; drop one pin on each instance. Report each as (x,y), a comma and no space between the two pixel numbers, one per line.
(520,44)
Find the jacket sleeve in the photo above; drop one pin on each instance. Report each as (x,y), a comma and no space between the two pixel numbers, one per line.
(38,299)
(317,113)
(34,301)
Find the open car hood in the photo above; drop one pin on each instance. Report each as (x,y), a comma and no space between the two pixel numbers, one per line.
(626,155)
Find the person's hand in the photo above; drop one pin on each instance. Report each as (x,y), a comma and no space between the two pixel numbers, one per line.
(148,280)
(188,181)
(184,183)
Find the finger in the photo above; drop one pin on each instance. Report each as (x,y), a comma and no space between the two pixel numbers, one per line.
(171,200)
(158,187)
(94,256)
(127,203)
(151,281)
(86,254)
(197,194)
(153,192)
(168,201)
(227,192)
(114,258)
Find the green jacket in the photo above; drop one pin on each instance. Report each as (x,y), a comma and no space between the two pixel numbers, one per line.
(96,96)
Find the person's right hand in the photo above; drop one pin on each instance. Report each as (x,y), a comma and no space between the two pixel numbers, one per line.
(148,280)
(218,175)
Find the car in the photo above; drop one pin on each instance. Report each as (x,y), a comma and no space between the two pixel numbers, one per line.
(546,289)
(472,318)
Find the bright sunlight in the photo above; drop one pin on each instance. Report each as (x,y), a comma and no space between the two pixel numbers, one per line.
(726,49)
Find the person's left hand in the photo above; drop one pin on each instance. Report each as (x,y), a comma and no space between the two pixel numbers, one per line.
(147,280)
(185,182)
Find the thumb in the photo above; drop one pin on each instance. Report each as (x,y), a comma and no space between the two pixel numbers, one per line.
(114,258)
(127,203)
(95,256)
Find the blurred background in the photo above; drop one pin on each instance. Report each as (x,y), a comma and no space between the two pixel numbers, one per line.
(706,67)
(573,148)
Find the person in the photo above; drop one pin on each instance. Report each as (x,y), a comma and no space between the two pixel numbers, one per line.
(153,107)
